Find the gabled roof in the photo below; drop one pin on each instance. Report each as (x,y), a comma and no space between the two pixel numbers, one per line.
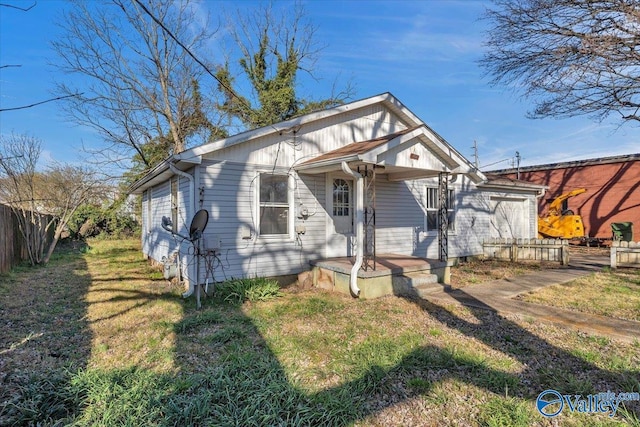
(386,98)
(193,156)
(412,153)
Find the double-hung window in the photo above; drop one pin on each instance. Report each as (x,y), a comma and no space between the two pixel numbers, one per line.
(432,205)
(274,204)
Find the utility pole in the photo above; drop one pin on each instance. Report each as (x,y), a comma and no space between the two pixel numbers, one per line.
(476,160)
(518,158)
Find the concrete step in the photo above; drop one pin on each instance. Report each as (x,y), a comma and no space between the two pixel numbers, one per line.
(416,284)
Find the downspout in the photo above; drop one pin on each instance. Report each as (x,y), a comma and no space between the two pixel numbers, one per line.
(353,280)
(539,195)
(192,192)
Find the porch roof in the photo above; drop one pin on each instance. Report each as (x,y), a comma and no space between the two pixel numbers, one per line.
(412,153)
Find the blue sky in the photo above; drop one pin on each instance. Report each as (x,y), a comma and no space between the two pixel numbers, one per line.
(424,52)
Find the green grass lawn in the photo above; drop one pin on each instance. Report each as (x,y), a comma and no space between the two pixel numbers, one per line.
(99,338)
(612,293)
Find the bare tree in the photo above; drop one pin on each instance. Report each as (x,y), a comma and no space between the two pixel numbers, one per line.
(573,57)
(139,86)
(18,159)
(43,202)
(271,50)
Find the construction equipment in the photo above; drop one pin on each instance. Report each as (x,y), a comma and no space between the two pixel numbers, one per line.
(559,223)
(622,231)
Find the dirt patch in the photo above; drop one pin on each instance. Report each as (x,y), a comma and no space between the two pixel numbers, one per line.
(485,270)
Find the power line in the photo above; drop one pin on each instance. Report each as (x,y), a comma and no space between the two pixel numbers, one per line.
(193,56)
(495,163)
(24,9)
(39,103)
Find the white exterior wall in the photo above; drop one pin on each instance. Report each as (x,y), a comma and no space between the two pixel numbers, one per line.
(230,198)
(226,186)
(156,241)
(400,218)
(312,139)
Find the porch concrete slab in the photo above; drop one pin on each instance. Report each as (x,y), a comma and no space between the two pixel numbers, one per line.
(498,296)
(386,264)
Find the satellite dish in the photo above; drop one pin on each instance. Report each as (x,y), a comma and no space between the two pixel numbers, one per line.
(167,224)
(198,224)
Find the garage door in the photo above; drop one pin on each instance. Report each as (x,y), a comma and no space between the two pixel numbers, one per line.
(509,217)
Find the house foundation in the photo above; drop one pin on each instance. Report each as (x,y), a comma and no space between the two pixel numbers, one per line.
(394,275)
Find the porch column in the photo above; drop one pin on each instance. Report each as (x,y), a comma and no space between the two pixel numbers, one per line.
(443,215)
(353,279)
(369,209)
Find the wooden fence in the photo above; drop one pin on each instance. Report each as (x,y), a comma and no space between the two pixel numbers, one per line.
(528,249)
(13,249)
(625,254)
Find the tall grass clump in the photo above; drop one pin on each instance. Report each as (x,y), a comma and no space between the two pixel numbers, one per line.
(507,412)
(237,291)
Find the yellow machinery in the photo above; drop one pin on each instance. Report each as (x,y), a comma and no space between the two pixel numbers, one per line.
(558,224)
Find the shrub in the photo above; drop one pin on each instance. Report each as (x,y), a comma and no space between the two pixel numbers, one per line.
(237,291)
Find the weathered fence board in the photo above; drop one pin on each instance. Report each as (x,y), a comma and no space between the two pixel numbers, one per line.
(528,249)
(10,240)
(625,254)
(13,249)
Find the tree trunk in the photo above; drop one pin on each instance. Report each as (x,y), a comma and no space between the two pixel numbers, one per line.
(53,244)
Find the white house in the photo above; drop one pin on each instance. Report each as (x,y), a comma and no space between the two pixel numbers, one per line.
(359,180)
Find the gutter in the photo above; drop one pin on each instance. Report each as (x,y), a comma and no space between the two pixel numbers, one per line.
(192,192)
(157,170)
(353,279)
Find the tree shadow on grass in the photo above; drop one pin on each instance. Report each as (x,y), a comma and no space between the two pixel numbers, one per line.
(231,366)
(230,373)
(44,332)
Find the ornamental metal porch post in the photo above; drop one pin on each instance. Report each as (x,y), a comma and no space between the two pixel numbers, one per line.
(443,217)
(369,260)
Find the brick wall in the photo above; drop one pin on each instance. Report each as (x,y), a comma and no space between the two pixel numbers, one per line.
(613,193)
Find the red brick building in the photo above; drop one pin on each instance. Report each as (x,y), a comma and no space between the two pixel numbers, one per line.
(612,184)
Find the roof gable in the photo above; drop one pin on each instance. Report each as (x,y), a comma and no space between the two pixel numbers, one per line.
(408,154)
(380,122)
(356,148)
(386,98)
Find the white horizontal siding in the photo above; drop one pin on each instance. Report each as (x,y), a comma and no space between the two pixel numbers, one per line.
(160,242)
(312,139)
(229,196)
(145,223)
(400,216)
(184,207)
(228,193)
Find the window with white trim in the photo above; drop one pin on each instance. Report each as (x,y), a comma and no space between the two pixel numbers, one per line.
(274,205)
(432,205)
(341,197)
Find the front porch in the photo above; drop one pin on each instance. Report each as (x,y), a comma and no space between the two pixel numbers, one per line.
(351,203)
(394,274)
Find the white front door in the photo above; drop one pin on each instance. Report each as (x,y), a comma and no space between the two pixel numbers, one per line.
(340,205)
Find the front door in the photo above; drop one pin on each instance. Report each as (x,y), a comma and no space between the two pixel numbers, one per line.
(341,212)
